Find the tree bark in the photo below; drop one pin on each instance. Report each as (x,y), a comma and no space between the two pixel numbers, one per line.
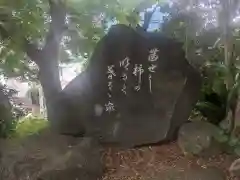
(47,58)
(51,85)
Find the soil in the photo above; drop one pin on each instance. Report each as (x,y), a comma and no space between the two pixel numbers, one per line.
(163,162)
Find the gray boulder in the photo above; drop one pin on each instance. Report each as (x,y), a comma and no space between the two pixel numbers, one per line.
(50,156)
(199,138)
(137,89)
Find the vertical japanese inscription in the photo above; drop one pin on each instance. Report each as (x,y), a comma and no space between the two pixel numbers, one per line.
(152,58)
(124,64)
(138,71)
(110,107)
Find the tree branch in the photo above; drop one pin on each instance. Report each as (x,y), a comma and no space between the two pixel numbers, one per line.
(57,25)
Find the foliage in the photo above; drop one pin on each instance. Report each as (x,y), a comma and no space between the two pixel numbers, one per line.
(7,128)
(7,124)
(29,126)
(211,43)
(230,144)
(213,101)
(18,111)
(87,22)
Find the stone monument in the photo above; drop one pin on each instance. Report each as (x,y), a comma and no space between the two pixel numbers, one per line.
(137,89)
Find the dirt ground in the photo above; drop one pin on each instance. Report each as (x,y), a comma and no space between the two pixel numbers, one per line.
(156,163)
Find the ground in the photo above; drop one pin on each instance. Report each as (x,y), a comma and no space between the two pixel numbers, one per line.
(157,163)
(48,152)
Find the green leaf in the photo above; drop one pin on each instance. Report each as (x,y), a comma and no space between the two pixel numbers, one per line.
(224,125)
(237,150)
(233,141)
(222,138)
(121,17)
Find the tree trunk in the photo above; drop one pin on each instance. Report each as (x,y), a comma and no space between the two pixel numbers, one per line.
(47,58)
(51,85)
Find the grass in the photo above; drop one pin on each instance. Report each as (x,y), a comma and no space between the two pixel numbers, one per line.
(29,126)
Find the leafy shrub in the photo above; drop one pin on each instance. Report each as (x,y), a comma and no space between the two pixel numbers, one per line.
(7,128)
(7,123)
(29,126)
(230,142)
(214,96)
(212,106)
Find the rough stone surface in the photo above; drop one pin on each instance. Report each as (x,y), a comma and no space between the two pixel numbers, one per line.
(51,157)
(148,113)
(199,138)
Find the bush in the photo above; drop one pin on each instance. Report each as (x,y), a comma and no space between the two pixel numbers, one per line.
(7,123)
(30,126)
(7,128)
(213,100)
